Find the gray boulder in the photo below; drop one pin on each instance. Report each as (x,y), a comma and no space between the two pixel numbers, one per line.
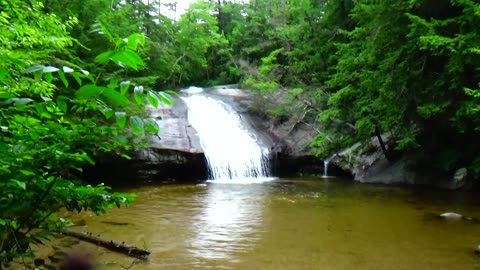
(367,164)
(459,178)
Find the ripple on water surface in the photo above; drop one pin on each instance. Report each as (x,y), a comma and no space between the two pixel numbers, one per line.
(291,224)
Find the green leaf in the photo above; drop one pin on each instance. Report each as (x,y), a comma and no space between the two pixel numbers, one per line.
(27,172)
(76,76)
(3,73)
(165,98)
(115,96)
(104,57)
(89,90)
(134,57)
(88,159)
(152,98)
(62,104)
(136,124)
(14,224)
(91,78)
(170,92)
(6,95)
(107,112)
(124,87)
(113,84)
(62,78)
(120,44)
(137,94)
(123,59)
(138,98)
(38,75)
(39,108)
(152,126)
(121,118)
(134,40)
(48,77)
(22,185)
(34,68)
(22,101)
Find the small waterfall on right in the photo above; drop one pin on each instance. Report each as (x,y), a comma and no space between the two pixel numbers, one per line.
(326,162)
(232,152)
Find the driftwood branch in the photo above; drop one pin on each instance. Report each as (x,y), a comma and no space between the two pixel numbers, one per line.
(131,251)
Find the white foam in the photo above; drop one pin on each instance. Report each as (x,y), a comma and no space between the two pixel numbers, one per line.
(231,150)
(242,181)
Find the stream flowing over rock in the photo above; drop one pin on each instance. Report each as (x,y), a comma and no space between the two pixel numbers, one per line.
(176,153)
(178,142)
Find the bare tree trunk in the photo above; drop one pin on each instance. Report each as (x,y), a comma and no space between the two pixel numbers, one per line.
(385,151)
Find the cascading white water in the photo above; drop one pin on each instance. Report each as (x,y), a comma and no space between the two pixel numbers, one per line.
(326,162)
(232,152)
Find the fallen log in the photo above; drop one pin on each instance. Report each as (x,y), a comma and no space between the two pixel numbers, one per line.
(131,251)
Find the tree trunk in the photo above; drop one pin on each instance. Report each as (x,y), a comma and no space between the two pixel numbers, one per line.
(385,151)
(131,251)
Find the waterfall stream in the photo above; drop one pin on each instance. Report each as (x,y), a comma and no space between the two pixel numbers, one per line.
(326,162)
(233,153)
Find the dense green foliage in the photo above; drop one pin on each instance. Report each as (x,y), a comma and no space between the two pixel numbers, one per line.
(352,68)
(408,69)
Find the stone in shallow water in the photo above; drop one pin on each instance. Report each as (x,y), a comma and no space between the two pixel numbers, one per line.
(451,216)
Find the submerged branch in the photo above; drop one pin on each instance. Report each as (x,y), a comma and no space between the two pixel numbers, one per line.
(131,251)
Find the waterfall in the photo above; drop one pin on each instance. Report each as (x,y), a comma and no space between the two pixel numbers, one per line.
(326,162)
(232,152)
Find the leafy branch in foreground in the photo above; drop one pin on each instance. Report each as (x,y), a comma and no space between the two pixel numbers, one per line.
(49,129)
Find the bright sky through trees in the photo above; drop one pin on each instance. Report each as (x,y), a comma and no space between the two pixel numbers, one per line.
(182,6)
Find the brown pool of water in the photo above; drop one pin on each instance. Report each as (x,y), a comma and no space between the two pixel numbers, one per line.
(290,224)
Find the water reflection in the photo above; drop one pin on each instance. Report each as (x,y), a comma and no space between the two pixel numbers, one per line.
(230,222)
(291,224)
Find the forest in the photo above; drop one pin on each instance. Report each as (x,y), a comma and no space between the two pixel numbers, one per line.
(75,76)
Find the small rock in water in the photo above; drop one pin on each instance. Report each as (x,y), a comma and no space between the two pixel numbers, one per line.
(451,216)
(477,250)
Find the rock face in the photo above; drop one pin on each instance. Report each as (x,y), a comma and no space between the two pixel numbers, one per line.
(290,151)
(288,140)
(175,133)
(367,164)
(174,155)
(177,154)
